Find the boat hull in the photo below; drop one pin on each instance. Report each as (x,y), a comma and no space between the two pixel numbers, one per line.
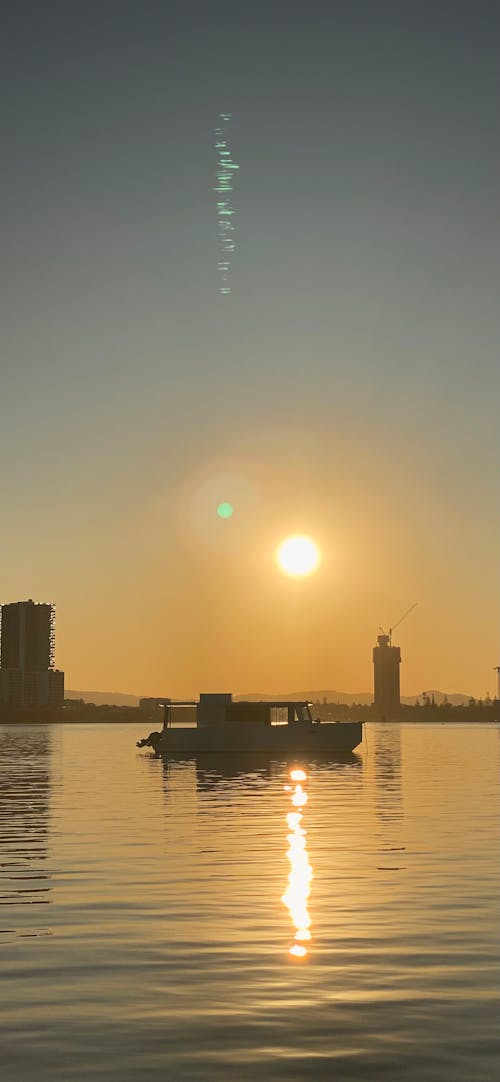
(298,739)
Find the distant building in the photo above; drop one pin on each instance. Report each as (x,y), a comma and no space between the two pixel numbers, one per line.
(27,648)
(386,662)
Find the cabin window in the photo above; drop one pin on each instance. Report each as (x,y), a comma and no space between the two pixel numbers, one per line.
(279,715)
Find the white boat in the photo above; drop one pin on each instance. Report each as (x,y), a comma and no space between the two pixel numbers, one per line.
(274,726)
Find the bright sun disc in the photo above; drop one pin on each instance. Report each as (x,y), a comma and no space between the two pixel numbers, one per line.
(298,555)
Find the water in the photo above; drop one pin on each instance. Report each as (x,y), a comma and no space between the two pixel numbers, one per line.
(143,932)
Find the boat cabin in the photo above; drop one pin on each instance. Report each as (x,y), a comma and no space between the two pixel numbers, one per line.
(213,711)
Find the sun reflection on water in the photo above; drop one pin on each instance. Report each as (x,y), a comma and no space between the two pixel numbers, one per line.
(300,875)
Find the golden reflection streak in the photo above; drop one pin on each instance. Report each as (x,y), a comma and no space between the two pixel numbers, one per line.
(300,876)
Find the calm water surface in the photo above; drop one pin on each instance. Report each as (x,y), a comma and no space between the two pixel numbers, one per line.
(224,919)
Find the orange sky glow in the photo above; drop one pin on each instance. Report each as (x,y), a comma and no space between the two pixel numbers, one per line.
(164,597)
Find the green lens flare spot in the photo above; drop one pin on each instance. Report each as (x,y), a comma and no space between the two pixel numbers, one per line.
(225,510)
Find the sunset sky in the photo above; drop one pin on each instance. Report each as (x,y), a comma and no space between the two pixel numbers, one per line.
(347,388)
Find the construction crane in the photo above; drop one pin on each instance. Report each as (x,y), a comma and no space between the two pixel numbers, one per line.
(400,621)
(497,670)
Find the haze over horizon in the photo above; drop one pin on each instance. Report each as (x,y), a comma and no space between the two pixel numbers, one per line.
(117,698)
(346,389)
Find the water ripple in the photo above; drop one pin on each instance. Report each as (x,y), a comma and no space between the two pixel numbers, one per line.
(175,894)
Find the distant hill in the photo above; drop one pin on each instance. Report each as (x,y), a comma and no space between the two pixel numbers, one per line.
(364,698)
(104,698)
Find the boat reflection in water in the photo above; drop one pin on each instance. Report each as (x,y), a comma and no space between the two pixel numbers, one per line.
(215,771)
(300,876)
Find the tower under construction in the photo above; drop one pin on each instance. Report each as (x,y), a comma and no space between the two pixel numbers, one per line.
(386,662)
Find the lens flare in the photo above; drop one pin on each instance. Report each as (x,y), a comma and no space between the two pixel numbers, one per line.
(224,182)
(225,510)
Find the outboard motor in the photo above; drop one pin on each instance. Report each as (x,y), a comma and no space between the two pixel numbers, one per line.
(151,741)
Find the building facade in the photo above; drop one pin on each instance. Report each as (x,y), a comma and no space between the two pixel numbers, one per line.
(27,648)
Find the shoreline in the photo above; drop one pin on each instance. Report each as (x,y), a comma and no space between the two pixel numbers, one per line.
(157,721)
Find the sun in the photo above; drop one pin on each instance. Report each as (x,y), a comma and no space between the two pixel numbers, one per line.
(298,556)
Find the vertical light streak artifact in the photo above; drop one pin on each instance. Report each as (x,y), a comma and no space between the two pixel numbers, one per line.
(223,188)
(300,876)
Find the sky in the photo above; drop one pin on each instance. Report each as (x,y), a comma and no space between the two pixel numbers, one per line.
(347,388)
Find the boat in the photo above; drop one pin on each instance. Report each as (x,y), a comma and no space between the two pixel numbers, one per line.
(233,726)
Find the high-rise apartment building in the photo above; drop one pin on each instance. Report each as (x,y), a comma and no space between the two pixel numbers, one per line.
(27,648)
(386,662)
